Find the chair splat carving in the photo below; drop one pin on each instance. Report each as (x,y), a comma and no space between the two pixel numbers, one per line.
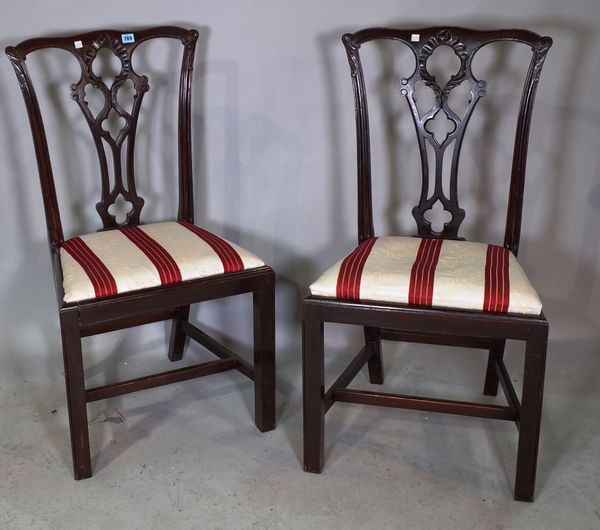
(87,57)
(453,138)
(423,45)
(109,143)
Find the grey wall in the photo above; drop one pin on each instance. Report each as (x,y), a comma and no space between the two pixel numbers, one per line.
(274,160)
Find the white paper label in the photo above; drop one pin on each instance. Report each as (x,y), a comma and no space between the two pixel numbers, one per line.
(78,44)
(415,37)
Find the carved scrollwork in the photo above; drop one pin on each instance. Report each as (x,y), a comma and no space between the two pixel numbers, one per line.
(444,37)
(190,38)
(454,131)
(112,118)
(352,53)
(88,55)
(437,136)
(189,42)
(540,52)
(18,64)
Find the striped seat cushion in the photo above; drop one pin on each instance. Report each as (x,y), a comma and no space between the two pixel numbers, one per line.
(128,259)
(432,273)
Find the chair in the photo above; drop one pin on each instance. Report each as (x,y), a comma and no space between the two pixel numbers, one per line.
(435,288)
(128,273)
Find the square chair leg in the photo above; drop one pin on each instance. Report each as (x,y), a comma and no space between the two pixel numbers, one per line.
(178,337)
(76,402)
(313,392)
(531,414)
(264,358)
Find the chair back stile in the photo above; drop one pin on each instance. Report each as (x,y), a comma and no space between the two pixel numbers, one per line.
(464,43)
(85,47)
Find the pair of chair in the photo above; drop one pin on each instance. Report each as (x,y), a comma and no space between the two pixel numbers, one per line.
(435,288)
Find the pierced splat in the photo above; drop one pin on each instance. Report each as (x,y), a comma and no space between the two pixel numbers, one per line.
(441,105)
(111,106)
(120,209)
(442,128)
(114,124)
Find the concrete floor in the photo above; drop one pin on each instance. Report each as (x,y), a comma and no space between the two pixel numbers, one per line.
(189,456)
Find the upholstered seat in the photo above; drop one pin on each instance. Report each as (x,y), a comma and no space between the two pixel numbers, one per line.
(128,259)
(432,273)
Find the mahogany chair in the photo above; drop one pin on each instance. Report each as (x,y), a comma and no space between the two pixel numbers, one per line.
(128,274)
(435,288)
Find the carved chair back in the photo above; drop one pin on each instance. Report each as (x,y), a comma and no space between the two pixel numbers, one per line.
(464,43)
(109,146)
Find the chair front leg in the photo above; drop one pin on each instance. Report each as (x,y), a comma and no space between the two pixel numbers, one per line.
(178,337)
(75,384)
(313,392)
(531,414)
(264,358)
(375,363)
(490,387)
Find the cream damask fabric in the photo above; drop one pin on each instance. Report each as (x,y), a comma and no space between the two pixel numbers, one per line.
(435,273)
(119,261)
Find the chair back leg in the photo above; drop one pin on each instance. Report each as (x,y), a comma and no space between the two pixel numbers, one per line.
(313,392)
(490,387)
(76,400)
(375,363)
(178,337)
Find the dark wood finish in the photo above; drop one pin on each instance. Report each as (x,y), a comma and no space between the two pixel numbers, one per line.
(375,363)
(178,337)
(313,390)
(134,320)
(465,44)
(91,43)
(148,305)
(423,338)
(264,357)
(76,400)
(531,414)
(508,389)
(220,350)
(385,321)
(346,377)
(490,387)
(463,408)
(164,378)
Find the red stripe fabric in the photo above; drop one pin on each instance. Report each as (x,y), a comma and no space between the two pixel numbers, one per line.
(232,261)
(422,274)
(101,278)
(497,284)
(350,273)
(163,261)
